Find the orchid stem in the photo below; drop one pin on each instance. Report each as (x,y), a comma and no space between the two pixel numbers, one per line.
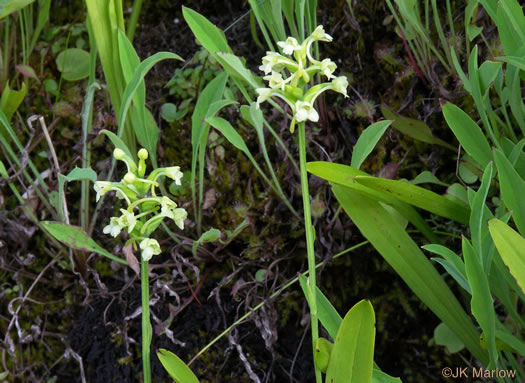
(146,325)
(310,250)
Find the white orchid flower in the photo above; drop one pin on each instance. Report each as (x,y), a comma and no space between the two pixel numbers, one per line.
(179,215)
(275,81)
(320,35)
(290,45)
(174,173)
(166,207)
(339,84)
(305,111)
(328,67)
(150,247)
(113,228)
(264,94)
(102,187)
(269,61)
(128,220)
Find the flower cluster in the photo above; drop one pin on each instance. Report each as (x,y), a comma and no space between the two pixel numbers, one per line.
(145,210)
(288,77)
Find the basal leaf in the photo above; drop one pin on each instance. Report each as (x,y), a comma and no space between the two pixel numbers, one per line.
(76,238)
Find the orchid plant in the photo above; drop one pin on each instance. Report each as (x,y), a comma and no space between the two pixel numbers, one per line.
(144,213)
(291,78)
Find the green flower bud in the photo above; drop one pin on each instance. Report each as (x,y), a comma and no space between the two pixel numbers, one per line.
(119,154)
(130,178)
(143,154)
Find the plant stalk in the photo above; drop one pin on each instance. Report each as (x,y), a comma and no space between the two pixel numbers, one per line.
(146,325)
(310,251)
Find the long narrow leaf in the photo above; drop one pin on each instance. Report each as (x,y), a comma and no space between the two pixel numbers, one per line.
(147,134)
(511,247)
(406,258)
(344,175)
(419,197)
(482,304)
(512,189)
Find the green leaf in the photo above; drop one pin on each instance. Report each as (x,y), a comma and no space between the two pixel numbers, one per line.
(211,37)
(208,236)
(488,72)
(148,133)
(426,177)
(229,132)
(352,356)
(479,215)
(379,376)
(327,314)
(168,112)
(409,262)
(367,141)
(481,304)
(468,133)
(73,63)
(236,68)
(451,262)
(176,368)
(82,174)
(419,197)
(3,171)
(211,93)
(9,6)
(11,100)
(511,247)
(76,238)
(444,336)
(518,62)
(416,129)
(508,342)
(512,189)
